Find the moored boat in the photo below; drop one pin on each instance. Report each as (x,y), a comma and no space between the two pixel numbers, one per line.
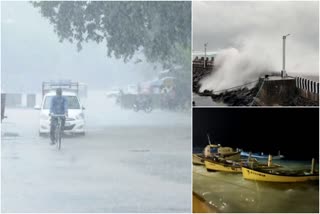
(216,150)
(261,155)
(227,153)
(272,175)
(198,159)
(259,165)
(280,175)
(221,166)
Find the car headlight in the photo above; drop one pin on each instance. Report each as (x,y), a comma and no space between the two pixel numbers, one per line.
(80,116)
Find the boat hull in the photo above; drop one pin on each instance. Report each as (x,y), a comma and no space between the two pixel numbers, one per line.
(197,159)
(255,175)
(214,166)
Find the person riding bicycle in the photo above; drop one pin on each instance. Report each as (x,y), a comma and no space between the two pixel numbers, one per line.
(59,105)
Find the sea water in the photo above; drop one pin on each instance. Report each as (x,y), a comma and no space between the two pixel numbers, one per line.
(230,192)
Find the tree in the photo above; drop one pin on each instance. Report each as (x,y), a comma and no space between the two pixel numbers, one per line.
(159,30)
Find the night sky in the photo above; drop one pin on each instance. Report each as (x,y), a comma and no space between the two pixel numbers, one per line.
(293,131)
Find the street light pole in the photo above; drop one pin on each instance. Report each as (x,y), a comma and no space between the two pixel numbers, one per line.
(283,72)
(205,54)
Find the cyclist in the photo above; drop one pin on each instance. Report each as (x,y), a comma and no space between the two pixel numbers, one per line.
(59,105)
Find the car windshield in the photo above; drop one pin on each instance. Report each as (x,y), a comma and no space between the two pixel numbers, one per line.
(72,101)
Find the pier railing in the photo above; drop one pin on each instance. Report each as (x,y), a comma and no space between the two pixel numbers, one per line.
(307,85)
(308,88)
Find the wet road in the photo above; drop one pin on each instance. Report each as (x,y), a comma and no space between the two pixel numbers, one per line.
(127,162)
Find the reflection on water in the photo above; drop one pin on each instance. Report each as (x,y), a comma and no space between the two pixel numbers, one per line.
(229,192)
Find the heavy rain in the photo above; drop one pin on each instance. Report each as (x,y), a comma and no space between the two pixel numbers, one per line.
(124,68)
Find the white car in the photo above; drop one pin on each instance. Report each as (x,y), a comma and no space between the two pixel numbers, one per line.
(74,124)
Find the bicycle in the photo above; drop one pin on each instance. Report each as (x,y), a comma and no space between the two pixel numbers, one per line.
(58,129)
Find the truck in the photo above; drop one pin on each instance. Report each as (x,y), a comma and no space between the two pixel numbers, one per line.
(75,122)
(80,89)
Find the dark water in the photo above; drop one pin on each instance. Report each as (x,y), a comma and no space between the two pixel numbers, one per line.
(229,192)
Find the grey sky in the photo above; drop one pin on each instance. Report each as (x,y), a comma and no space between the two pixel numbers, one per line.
(223,23)
(31,53)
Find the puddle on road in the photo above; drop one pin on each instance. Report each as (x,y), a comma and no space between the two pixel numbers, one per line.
(13,157)
(10,134)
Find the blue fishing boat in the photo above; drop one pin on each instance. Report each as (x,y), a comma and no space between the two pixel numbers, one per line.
(261,155)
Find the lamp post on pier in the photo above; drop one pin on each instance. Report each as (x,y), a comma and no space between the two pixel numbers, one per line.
(205,54)
(283,72)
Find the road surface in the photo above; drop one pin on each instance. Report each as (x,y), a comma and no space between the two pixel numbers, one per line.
(127,162)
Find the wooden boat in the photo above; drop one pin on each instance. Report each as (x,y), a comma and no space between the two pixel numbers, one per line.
(278,175)
(222,166)
(261,155)
(198,159)
(254,163)
(272,175)
(259,165)
(217,150)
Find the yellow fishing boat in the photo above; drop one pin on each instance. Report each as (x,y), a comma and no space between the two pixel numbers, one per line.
(221,164)
(216,150)
(198,159)
(212,165)
(253,163)
(278,176)
(227,153)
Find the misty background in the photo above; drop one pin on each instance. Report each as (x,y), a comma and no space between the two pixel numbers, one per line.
(32,53)
(248,36)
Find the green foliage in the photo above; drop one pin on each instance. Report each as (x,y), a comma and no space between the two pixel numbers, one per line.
(160,30)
